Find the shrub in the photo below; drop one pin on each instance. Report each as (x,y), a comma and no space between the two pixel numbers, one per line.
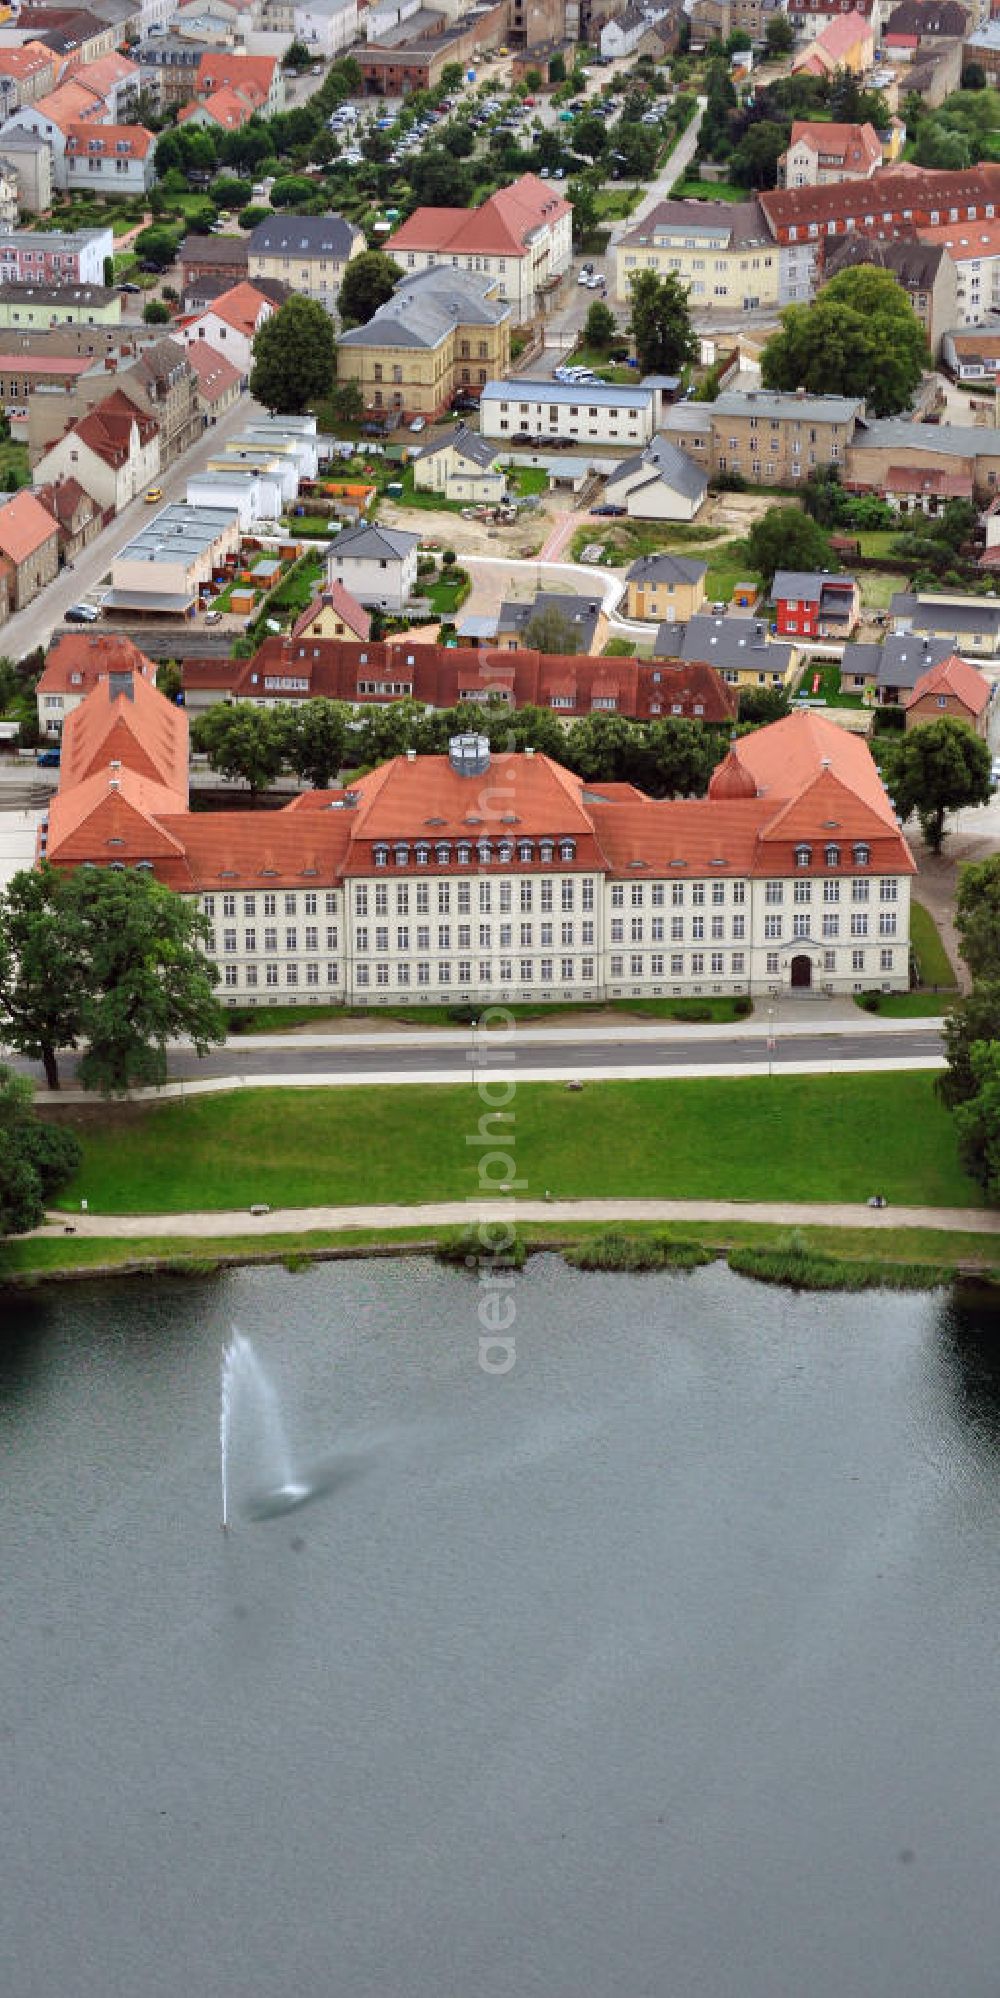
(615,1250)
(467,1248)
(871,1001)
(742,1008)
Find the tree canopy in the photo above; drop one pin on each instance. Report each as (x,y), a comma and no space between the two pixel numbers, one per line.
(977,1118)
(242,742)
(784,538)
(294,355)
(661,323)
(975,1018)
(109,960)
(936,769)
(368,281)
(550,630)
(977,917)
(861,337)
(36,1158)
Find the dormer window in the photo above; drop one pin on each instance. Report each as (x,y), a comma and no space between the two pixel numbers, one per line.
(525,849)
(463,853)
(833,856)
(380,855)
(546,850)
(423,853)
(567,849)
(484,852)
(443,853)
(862,855)
(505,850)
(803,856)
(401,855)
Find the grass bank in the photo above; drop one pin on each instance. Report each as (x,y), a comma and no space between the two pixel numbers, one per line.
(278,1019)
(645,1246)
(786,1138)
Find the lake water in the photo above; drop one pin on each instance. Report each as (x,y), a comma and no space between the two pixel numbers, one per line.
(664,1666)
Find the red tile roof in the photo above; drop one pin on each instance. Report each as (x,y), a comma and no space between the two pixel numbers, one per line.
(338,599)
(505,225)
(241,307)
(79,659)
(857,147)
(112,427)
(216,375)
(24,527)
(108,142)
(137,729)
(956,677)
(63,499)
(72,104)
(223,68)
(232,109)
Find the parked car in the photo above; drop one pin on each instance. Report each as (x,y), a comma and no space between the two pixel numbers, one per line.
(419,423)
(134,290)
(49,759)
(213,617)
(82,614)
(153,494)
(608,512)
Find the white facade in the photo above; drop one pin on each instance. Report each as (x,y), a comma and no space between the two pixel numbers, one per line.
(512,935)
(326,30)
(622,35)
(256,496)
(113,174)
(232,341)
(374,576)
(112,486)
(601,415)
(548,253)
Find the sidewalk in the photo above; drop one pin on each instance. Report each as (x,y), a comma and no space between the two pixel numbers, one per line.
(463,1213)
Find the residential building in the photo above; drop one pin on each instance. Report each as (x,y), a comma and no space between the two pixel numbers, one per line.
(54,117)
(585,616)
(531,885)
(115,79)
(622,34)
(738,648)
(893,456)
(974,250)
(225,110)
(26,73)
(254,494)
(335,613)
(109,159)
(925,271)
(325,27)
(767,436)
(983,48)
(722,252)
(9,194)
(970,624)
(934,72)
(846,43)
(77,516)
(895,204)
(442,331)
(256,76)
(168,70)
(667,588)
(378,565)
(600,413)
(155,374)
(890,671)
(522,236)
(76,663)
(954,689)
(29,549)
(28,159)
(217,382)
(75,256)
(309,253)
(230,325)
(69,31)
(924,20)
(463,467)
(38,307)
(659,483)
(113,452)
(214,256)
(972,353)
(160,570)
(815,606)
(821,155)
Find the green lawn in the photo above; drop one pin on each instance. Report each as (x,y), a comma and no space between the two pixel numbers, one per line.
(447,594)
(727,566)
(527,480)
(613,204)
(789,1138)
(919,1005)
(829,689)
(936,967)
(13,458)
(277,1019)
(879,586)
(875,542)
(707,190)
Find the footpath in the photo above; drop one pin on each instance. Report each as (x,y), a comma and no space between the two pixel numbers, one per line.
(463,1213)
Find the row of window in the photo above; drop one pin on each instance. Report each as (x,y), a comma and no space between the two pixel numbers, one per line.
(801,925)
(310,941)
(458,896)
(464,851)
(526,939)
(463,897)
(269,904)
(888,887)
(529,972)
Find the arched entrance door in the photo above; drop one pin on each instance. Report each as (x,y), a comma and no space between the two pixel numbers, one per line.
(802,971)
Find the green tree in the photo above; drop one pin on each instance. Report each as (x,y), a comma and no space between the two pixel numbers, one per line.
(41,968)
(157,246)
(585,215)
(36,1159)
(347,402)
(368,281)
(316,741)
(761,705)
(294,355)
(973,1019)
(242,742)
(977,1118)
(685,755)
(600,325)
(451,78)
(147,978)
(590,135)
(755,161)
(661,323)
(168,679)
(557,68)
(784,538)
(296,56)
(935,769)
(779,35)
(977,917)
(155,312)
(550,630)
(861,337)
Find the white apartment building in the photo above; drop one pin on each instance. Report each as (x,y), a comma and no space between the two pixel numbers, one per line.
(600,414)
(377,564)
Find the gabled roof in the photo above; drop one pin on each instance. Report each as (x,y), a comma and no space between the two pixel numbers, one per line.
(468,444)
(24,527)
(368,543)
(241,307)
(808,589)
(111,428)
(216,374)
(72,104)
(109,141)
(228,108)
(505,225)
(125,721)
(112,815)
(785,758)
(79,659)
(304,235)
(224,67)
(338,599)
(856,147)
(956,677)
(666,569)
(62,501)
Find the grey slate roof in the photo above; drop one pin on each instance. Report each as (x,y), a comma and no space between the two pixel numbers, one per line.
(468,443)
(581,612)
(899,662)
(937,614)
(772,402)
(427,307)
(664,462)
(666,569)
(725,642)
(364,543)
(590,394)
(304,236)
(948,440)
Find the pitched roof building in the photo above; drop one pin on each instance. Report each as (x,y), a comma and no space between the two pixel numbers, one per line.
(522,236)
(820,155)
(954,689)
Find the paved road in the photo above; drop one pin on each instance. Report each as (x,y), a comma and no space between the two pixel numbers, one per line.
(34,626)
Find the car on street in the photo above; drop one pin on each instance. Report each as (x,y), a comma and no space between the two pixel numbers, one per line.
(153,494)
(419,423)
(82,614)
(49,759)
